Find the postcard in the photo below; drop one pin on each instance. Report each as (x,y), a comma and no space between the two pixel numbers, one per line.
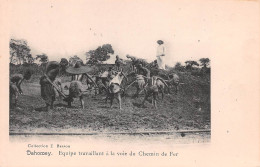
(129,83)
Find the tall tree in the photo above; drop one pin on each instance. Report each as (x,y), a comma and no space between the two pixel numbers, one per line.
(204,62)
(19,51)
(101,54)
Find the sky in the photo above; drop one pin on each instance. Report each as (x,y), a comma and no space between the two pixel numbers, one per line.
(67,28)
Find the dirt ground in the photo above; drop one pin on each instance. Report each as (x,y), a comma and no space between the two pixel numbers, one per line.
(175,112)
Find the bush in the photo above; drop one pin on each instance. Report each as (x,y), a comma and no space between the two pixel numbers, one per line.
(21,69)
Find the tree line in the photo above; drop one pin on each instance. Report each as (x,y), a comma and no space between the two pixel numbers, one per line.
(20,53)
(190,64)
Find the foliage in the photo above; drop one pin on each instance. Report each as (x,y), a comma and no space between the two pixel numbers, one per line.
(74,59)
(191,62)
(29,59)
(20,52)
(43,58)
(27,74)
(99,55)
(204,62)
(23,68)
(178,66)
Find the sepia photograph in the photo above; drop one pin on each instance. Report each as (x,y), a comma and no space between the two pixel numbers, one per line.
(98,72)
(129,83)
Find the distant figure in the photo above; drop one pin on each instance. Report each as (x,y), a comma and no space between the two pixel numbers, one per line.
(133,59)
(143,71)
(160,55)
(173,80)
(136,62)
(154,64)
(118,62)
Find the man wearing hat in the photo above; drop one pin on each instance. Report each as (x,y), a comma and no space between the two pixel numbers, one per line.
(160,55)
(47,89)
(76,88)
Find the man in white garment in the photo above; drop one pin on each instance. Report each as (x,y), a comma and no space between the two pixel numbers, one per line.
(160,55)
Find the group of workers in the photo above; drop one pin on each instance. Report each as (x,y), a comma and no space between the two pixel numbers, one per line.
(78,72)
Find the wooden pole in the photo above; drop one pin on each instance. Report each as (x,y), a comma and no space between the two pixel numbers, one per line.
(130,84)
(91,79)
(55,86)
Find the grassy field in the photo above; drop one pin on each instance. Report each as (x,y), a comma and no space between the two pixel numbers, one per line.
(189,109)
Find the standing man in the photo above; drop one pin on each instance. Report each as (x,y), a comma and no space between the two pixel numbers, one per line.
(160,55)
(118,62)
